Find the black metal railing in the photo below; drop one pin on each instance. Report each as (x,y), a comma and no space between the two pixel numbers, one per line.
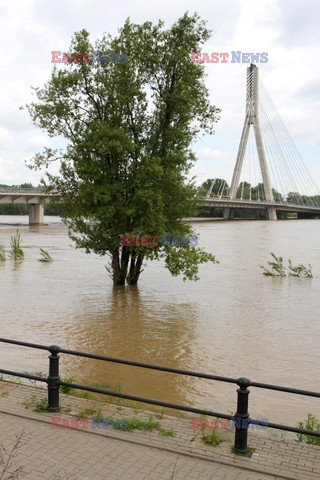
(241,418)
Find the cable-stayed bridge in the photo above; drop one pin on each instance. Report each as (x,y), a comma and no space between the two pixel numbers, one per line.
(274,176)
(269,172)
(36,199)
(303,211)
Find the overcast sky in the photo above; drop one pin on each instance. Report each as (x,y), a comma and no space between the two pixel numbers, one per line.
(287,29)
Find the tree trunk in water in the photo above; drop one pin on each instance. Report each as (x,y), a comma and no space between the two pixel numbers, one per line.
(120,266)
(135,269)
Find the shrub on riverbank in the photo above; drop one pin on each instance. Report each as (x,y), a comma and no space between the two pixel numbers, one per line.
(311,423)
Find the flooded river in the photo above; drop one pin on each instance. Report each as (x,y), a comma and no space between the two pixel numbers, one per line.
(233,322)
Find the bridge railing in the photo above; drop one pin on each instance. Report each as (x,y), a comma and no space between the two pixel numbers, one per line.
(241,419)
(21,190)
(263,203)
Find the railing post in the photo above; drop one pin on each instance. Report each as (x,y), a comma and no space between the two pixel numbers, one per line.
(53,379)
(241,434)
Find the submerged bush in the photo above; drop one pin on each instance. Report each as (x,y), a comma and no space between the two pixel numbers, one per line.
(2,254)
(278,269)
(300,270)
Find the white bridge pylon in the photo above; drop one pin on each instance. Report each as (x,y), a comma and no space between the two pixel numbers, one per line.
(252,119)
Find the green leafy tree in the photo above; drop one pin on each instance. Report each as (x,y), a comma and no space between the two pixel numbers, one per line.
(129,127)
(219,186)
(294,198)
(257,192)
(244,190)
(277,196)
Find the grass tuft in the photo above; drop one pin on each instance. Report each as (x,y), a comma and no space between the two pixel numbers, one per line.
(74,392)
(68,390)
(249,453)
(311,423)
(41,406)
(45,256)
(114,388)
(148,425)
(88,413)
(29,401)
(16,252)
(37,405)
(2,254)
(213,439)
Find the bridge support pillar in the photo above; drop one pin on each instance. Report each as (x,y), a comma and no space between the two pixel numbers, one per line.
(36,214)
(272,213)
(226,213)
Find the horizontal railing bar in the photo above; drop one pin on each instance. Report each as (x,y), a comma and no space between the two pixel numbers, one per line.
(293,429)
(267,424)
(125,362)
(150,366)
(165,369)
(147,400)
(25,344)
(23,375)
(188,409)
(241,382)
(164,404)
(285,389)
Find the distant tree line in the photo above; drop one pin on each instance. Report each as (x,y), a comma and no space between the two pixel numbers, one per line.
(23,209)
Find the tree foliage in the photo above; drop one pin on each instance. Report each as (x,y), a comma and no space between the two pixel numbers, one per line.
(128,128)
(214,186)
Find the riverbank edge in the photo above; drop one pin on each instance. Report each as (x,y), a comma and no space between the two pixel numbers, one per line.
(284,458)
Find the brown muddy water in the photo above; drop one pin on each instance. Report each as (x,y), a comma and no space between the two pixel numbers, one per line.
(233,322)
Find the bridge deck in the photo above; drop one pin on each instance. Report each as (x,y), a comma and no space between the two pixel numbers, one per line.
(37,196)
(237,203)
(23,196)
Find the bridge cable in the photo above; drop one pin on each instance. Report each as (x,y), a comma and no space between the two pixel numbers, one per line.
(297,164)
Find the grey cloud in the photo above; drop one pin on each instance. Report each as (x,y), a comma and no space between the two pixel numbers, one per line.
(310,91)
(298,22)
